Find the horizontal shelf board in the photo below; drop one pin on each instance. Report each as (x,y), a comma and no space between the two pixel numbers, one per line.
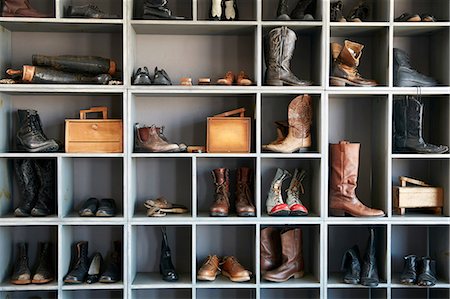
(310,219)
(395,283)
(358,90)
(73,218)
(145,280)
(420,156)
(270,155)
(94,286)
(223,282)
(204,219)
(359,24)
(62,155)
(335,280)
(62,25)
(10,219)
(291,89)
(308,281)
(141,218)
(349,31)
(6,286)
(61,88)
(422,219)
(190,155)
(193,90)
(422,28)
(357,220)
(293,24)
(437,90)
(193,27)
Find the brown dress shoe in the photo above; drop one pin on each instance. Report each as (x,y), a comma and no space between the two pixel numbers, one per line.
(243,79)
(234,271)
(270,249)
(244,198)
(20,8)
(227,80)
(210,268)
(221,203)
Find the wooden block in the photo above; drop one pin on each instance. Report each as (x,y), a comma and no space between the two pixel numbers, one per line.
(228,135)
(418,197)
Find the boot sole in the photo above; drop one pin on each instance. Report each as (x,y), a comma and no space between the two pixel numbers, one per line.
(206,278)
(284,83)
(42,281)
(236,279)
(21,282)
(410,83)
(73,281)
(104,214)
(295,275)
(218,214)
(246,214)
(280,213)
(298,213)
(336,81)
(342,213)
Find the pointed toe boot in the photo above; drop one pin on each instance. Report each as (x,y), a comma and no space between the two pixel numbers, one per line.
(244,198)
(282,128)
(112,272)
(296,188)
(405,75)
(282,10)
(409,273)
(166,267)
(270,251)
(299,12)
(343,182)
(44,271)
(351,265)
(274,204)
(94,268)
(28,183)
(46,198)
(221,204)
(369,271)
(21,272)
(79,272)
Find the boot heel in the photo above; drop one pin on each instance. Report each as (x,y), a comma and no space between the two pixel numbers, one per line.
(275,82)
(299,274)
(336,212)
(336,82)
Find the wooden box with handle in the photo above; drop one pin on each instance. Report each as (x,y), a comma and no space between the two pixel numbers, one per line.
(94,135)
(226,134)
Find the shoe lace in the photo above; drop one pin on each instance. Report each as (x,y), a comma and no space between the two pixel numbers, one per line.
(221,189)
(243,188)
(210,263)
(277,192)
(34,127)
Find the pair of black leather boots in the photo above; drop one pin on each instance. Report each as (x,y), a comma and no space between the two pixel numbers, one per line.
(420,271)
(44,272)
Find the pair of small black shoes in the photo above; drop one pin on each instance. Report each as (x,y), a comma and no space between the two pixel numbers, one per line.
(418,271)
(143,77)
(367,275)
(106,207)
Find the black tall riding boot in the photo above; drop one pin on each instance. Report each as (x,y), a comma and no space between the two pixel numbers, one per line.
(112,272)
(46,173)
(29,135)
(166,267)
(28,184)
(282,10)
(21,273)
(80,270)
(369,273)
(44,270)
(77,64)
(408,128)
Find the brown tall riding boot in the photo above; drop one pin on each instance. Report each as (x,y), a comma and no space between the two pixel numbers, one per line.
(344,69)
(20,8)
(292,258)
(343,182)
(244,199)
(270,249)
(300,120)
(221,203)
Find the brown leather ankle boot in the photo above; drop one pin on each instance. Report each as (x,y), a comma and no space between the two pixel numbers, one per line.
(292,258)
(270,249)
(345,65)
(244,199)
(221,203)
(152,139)
(343,178)
(20,8)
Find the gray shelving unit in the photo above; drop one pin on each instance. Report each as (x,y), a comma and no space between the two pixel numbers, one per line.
(197,47)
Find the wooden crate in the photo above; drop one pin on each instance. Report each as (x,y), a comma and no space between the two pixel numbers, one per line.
(94,135)
(421,196)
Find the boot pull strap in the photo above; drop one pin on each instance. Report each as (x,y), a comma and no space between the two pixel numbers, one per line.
(403,180)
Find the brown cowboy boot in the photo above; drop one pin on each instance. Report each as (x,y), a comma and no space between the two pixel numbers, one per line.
(282,132)
(21,8)
(244,198)
(300,120)
(152,139)
(270,249)
(221,203)
(344,177)
(344,69)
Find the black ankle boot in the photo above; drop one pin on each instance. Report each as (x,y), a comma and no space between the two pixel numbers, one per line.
(405,75)
(112,272)
(351,265)
(79,271)
(157,9)
(336,12)
(28,184)
(21,273)
(409,273)
(166,267)
(359,13)
(44,270)
(299,12)
(427,272)
(30,137)
(45,170)
(369,273)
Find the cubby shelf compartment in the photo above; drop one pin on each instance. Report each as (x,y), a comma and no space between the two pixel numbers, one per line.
(418,292)
(343,293)
(378,11)
(437,8)
(88,293)
(289,293)
(170,292)
(225,293)
(269,11)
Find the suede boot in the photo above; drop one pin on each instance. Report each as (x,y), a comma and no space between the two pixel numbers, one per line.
(351,265)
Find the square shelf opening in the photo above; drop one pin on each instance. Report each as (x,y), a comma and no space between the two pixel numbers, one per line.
(426,59)
(87,294)
(433,171)
(374,60)
(311,256)
(364,120)
(11,236)
(156,177)
(420,293)
(285,293)
(84,178)
(226,240)
(343,237)
(226,293)
(378,10)
(100,239)
(246,10)
(179,8)
(376,293)
(421,240)
(46,7)
(311,199)
(188,123)
(306,62)
(437,8)
(162,293)
(111,7)
(29,294)
(271,112)
(206,187)
(269,10)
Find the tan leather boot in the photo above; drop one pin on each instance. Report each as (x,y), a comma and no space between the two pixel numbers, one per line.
(270,249)
(210,268)
(21,8)
(221,203)
(300,120)
(345,65)
(282,132)
(292,258)
(244,199)
(152,139)
(232,269)
(343,181)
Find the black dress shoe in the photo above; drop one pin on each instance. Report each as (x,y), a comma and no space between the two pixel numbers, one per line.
(142,77)
(89,207)
(157,9)
(351,265)
(161,77)
(409,273)
(79,271)
(106,208)
(87,11)
(94,268)
(166,268)
(427,272)
(112,272)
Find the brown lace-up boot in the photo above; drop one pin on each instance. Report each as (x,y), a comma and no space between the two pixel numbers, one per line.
(20,8)
(221,203)
(344,177)
(345,65)
(244,198)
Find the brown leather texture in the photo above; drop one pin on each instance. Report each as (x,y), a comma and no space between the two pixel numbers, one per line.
(150,139)
(343,181)
(292,257)
(270,249)
(209,269)
(227,80)
(244,198)
(243,79)
(221,204)
(234,270)
(20,8)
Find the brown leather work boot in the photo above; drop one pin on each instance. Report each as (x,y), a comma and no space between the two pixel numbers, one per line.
(152,139)
(343,181)
(227,80)
(292,258)
(244,198)
(210,269)
(21,8)
(270,249)
(221,203)
(300,120)
(234,271)
(344,70)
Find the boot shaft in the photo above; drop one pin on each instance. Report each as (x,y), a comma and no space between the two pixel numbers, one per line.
(344,168)
(414,118)
(298,12)
(295,187)
(291,247)
(78,64)
(300,116)
(282,10)
(221,178)
(82,254)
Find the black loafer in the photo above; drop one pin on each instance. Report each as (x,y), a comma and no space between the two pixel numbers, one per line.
(161,77)
(106,208)
(89,207)
(142,77)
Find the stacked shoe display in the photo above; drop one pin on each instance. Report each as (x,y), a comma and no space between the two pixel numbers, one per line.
(89,11)
(420,271)
(106,207)
(229,267)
